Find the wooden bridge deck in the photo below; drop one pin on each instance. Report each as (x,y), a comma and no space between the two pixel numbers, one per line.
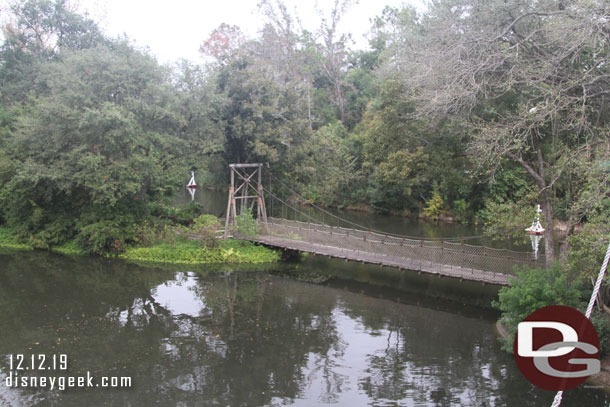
(385,260)
(459,260)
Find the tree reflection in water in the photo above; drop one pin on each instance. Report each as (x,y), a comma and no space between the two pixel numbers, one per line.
(245,338)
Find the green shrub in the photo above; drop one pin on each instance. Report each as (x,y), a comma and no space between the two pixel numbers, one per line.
(602,326)
(508,219)
(157,209)
(533,289)
(45,233)
(460,210)
(71,248)
(588,247)
(206,222)
(149,233)
(434,206)
(10,240)
(105,236)
(206,226)
(193,210)
(246,226)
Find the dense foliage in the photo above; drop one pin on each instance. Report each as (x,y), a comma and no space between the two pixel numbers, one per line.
(95,134)
(533,289)
(536,288)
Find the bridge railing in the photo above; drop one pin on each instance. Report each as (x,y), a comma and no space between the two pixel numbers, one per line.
(393,247)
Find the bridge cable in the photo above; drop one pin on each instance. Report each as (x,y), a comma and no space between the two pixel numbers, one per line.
(356,225)
(289,206)
(286,205)
(596,288)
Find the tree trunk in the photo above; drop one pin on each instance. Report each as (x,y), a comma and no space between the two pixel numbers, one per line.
(549,239)
(563,251)
(339,94)
(565,244)
(547,209)
(309,119)
(545,203)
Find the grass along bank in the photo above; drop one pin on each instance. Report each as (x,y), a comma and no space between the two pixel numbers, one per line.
(184,251)
(175,250)
(8,240)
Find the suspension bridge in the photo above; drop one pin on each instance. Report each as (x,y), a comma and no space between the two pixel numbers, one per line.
(315,230)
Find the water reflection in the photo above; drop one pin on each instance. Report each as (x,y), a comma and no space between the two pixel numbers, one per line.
(535,240)
(180,295)
(249,338)
(192,192)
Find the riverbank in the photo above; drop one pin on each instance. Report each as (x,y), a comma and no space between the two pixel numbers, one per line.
(186,251)
(180,251)
(9,241)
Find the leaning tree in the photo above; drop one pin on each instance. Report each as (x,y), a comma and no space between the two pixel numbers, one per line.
(533,80)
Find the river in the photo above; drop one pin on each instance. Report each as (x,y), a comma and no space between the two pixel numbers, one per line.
(257,336)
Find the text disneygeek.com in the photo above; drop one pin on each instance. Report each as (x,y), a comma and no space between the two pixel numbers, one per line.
(22,367)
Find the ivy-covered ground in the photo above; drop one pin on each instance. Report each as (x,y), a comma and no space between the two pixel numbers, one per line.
(178,251)
(191,252)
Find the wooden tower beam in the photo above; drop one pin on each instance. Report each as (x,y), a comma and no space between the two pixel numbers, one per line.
(243,177)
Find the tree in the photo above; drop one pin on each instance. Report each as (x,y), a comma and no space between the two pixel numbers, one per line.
(533,81)
(266,115)
(334,51)
(97,144)
(46,27)
(289,56)
(223,41)
(200,110)
(37,32)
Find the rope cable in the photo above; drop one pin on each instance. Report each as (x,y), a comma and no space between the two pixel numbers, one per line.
(596,288)
(287,205)
(356,225)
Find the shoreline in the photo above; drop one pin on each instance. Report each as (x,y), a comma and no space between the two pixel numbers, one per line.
(178,252)
(559,225)
(228,252)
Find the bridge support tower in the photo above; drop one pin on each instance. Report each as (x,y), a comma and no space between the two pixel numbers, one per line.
(246,187)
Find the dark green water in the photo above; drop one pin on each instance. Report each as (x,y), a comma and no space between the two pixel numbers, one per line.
(215,336)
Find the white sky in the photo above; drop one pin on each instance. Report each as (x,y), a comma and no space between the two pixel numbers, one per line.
(176,29)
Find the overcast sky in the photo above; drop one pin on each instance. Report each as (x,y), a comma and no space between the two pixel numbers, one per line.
(175,29)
